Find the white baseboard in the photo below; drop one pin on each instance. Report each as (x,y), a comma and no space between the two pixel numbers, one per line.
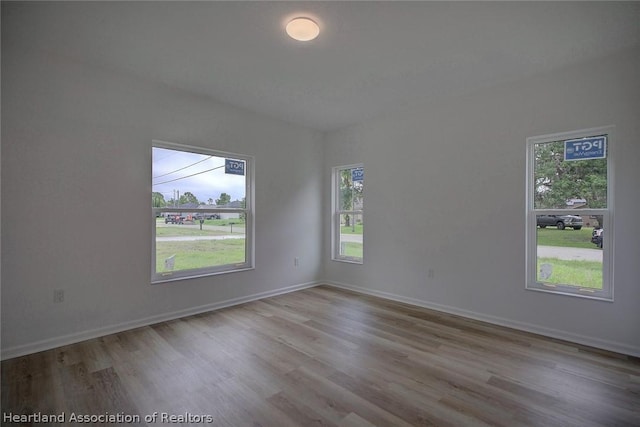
(522,326)
(51,343)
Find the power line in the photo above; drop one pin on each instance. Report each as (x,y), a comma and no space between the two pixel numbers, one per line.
(188,166)
(188,176)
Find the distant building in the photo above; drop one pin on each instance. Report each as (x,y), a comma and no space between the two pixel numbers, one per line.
(192,211)
(588,220)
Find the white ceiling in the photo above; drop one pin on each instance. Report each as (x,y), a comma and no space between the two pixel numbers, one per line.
(370,57)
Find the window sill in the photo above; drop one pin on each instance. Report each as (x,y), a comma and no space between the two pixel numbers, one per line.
(348,260)
(560,291)
(198,276)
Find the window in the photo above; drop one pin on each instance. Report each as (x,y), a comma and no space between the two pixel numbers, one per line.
(348,221)
(569,216)
(201,205)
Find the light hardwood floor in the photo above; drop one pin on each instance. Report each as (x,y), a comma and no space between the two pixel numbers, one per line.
(324,356)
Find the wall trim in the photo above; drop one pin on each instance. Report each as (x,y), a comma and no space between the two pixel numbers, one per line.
(62,340)
(51,343)
(613,346)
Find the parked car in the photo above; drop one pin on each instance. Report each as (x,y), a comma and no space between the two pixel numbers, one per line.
(560,221)
(596,237)
(174,219)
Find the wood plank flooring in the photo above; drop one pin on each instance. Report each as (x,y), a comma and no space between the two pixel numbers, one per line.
(324,357)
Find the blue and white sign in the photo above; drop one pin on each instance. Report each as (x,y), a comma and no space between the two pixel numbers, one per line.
(585,148)
(234,167)
(357,174)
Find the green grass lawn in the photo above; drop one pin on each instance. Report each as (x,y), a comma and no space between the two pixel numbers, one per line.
(186,230)
(568,237)
(350,229)
(224,221)
(200,253)
(353,249)
(583,274)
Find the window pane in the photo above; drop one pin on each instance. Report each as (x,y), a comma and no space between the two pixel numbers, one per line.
(568,249)
(350,191)
(567,256)
(186,244)
(199,198)
(348,195)
(560,184)
(351,228)
(187,180)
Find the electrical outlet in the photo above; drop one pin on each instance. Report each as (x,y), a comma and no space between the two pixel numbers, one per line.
(430,273)
(58,295)
(296,261)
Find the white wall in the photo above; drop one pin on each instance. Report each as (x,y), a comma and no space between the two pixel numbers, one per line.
(76,170)
(0,193)
(444,189)
(445,185)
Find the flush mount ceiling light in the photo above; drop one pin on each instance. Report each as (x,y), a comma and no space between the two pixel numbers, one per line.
(302,29)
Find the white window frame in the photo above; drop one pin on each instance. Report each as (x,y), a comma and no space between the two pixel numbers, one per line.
(248,212)
(337,211)
(606,294)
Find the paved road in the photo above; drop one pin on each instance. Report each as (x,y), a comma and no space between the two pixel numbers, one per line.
(223,228)
(191,238)
(581,254)
(571,254)
(196,226)
(543,251)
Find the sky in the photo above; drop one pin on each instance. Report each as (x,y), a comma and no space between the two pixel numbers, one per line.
(201,174)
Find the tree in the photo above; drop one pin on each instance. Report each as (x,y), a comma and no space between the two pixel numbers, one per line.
(350,194)
(224,199)
(210,201)
(188,197)
(157,200)
(557,181)
(243,204)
